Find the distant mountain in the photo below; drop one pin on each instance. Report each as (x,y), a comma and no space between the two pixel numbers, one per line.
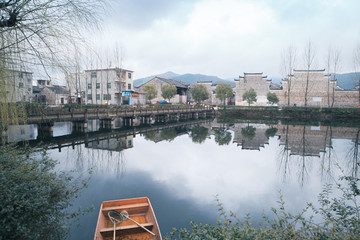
(194,78)
(348,80)
(168,75)
(188,78)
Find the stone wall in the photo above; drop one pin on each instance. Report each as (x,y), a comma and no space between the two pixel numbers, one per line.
(321,91)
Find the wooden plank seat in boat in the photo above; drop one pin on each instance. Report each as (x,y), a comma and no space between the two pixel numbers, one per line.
(124,230)
(130,208)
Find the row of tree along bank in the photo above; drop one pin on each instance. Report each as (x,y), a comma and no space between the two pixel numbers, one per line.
(300,113)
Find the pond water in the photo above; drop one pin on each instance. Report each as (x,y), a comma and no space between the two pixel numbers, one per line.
(182,167)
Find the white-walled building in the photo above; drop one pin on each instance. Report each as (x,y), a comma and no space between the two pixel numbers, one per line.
(18,86)
(107,86)
(256,81)
(182,89)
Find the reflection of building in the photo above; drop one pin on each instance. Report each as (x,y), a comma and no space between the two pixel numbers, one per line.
(17,133)
(312,140)
(113,144)
(182,89)
(250,136)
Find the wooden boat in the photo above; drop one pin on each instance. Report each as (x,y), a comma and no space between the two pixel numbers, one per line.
(139,210)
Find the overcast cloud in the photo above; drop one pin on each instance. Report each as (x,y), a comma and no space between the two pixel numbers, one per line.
(229,37)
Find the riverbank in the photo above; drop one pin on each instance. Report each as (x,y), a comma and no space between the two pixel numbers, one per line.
(285,114)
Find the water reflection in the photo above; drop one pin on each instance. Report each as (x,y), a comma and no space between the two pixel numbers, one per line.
(181,166)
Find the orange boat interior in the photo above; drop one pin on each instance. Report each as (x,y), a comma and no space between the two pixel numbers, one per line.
(139,209)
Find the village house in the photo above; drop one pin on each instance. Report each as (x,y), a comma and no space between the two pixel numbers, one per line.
(182,94)
(212,100)
(111,86)
(49,94)
(258,82)
(18,86)
(314,88)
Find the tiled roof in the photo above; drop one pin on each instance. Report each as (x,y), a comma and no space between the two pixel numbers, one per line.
(178,84)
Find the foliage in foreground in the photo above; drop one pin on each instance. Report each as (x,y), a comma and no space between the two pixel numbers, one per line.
(336,218)
(34,198)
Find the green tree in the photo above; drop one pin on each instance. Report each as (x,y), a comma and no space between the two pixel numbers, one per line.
(168,91)
(250,96)
(151,91)
(272,98)
(199,92)
(224,91)
(199,134)
(38,36)
(34,200)
(222,137)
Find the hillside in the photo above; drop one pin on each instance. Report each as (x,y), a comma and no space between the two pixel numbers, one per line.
(188,78)
(140,81)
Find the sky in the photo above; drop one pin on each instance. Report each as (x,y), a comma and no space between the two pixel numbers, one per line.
(226,38)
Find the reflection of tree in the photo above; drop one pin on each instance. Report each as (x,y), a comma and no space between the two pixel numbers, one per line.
(249,132)
(150,135)
(354,156)
(303,158)
(199,134)
(285,154)
(300,155)
(222,137)
(270,132)
(168,134)
(327,156)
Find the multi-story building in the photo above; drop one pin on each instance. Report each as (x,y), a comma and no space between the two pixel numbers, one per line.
(18,86)
(107,86)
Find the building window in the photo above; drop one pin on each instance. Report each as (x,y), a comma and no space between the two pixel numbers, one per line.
(107,96)
(97,96)
(97,85)
(89,97)
(21,85)
(129,86)
(109,85)
(129,75)
(93,74)
(89,86)
(118,74)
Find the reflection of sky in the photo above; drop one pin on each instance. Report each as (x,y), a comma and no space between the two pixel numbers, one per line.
(182,178)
